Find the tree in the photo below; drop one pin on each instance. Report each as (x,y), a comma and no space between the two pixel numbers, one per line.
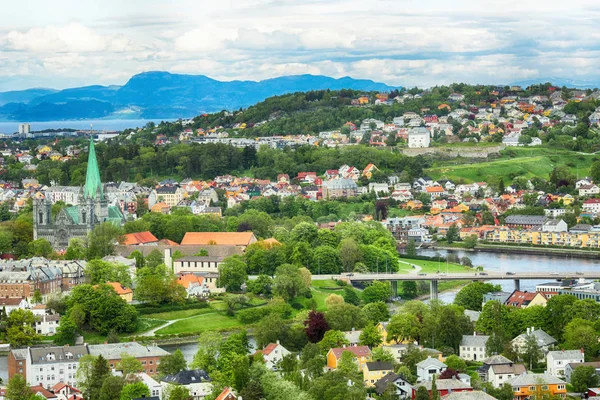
(269,329)
(40,248)
(422,393)
(172,364)
(409,289)
(580,334)
(470,242)
(111,388)
(532,352)
(377,291)
(288,282)
(135,390)
(370,336)
(411,248)
(584,378)
(452,234)
(350,296)
(455,363)
(77,249)
(102,240)
(376,312)
(471,296)
(84,374)
(208,348)
(77,315)
(232,274)
(261,285)
(129,367)
(595,171)
(177,392)
(315,326)
(381,354)
(67,331)
(325,260)
(18,389)
(19,328)
(347,366)
(333,300)
(349,253)
(558,314)
(344,317)
(99,372)
(403,327)
(37,297)
(333,338)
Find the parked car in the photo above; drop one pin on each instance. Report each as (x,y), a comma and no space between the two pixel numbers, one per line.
(510,273)
(483,273)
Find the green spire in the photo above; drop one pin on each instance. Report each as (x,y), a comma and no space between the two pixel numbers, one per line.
(93,185)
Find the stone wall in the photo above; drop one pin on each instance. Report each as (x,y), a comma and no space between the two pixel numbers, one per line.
(453,152)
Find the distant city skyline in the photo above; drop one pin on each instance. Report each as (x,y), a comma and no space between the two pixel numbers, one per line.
(69,43)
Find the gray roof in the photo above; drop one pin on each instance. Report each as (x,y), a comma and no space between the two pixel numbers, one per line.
(418,131)
(187,377)
(20,354)
(340,183)
(513,369)
(431,362)
(525,219)
(445,384)
(526,379)
(496,360)
(353,336)
(57,354)
(474,341)
(113,351)
(379,366)
(565,354)
(472,315)
(474,395)
(542,337)
(382,384)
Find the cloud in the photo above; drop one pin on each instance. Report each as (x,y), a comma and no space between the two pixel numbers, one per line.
(400,42)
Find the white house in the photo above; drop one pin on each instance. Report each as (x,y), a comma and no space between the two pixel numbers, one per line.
(47,324)
(545,341)
(156,389)
(556,361)
(379,188)
(472,347)
(403,388)
(418,137)
(591,206)
(196,381)
(12,303)
(588,190)
(555,225)
(429,367)
(498,369)
(273,353)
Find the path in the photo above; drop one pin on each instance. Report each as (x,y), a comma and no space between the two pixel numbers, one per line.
(412,270)
(152,331)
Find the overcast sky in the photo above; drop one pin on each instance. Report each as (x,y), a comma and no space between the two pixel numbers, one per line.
(66,43)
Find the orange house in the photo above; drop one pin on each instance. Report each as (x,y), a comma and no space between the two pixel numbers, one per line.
(124,292)
(363,100)
(526,386)
(362,355)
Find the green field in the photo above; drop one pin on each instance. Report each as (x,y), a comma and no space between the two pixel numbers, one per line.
(527,162)
(430,267)
(171,315)
(200,323)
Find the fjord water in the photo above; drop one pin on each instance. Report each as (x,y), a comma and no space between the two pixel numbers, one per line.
(98,124)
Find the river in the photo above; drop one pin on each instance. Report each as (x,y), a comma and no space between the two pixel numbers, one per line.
(98,124)
(517,263)
(489,261)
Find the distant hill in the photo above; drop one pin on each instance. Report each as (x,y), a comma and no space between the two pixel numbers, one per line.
(163,95)
(560,82)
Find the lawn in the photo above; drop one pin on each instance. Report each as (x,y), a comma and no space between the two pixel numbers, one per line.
(524,162)
(200,323)
(431,267)
(143,325)
(170,315)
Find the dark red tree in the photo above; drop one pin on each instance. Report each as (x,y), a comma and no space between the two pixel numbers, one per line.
(449,374)
(315,326)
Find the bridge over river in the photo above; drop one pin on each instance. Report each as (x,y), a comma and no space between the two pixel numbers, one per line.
(434,278)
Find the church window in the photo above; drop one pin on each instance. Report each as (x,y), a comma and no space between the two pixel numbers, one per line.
(41,217)
(83,217)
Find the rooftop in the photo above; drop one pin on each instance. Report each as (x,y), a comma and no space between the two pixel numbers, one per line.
(113,351)
(218,238)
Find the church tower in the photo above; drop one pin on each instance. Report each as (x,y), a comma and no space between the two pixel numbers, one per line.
(94,207)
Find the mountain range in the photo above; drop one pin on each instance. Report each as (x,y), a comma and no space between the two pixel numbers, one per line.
(162,95)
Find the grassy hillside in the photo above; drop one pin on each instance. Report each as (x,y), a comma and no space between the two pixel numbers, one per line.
(528,162)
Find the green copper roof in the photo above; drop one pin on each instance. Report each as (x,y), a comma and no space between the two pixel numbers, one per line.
(114,212)
(73,212)
(93,185)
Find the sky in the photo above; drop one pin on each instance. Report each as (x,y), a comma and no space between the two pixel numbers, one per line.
(68,43)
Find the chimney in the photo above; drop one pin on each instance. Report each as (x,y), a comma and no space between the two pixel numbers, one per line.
(582,351)
(474,333)
(169,258)
(353,329)
(277,341)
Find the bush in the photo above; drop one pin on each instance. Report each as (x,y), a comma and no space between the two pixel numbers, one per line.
(252,315)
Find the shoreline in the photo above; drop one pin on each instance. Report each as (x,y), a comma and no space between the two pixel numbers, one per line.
(486,248)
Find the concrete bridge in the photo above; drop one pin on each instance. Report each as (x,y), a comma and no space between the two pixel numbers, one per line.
(463,276)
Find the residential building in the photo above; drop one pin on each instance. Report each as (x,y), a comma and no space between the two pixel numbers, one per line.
(353,337)
(526,299)
(428,368)
(66,392)
(196,381)
(273,353)
(197,264)
(47,324)
(556,361)
(591,206)
(524,221)
(571,367)
(528,385)
(149,356)
(555,225)
(339,188)
(468,395)
(418,137)
(375,370)
(403,389)
(227,394)
(124,292)
(472,347)
(445,386)
(362,355)
(46,366)
(588,190)
(195,286)
(545,341)
(8,304)
(171,195)
(238,239)
(498,369)
(155,388)
(139,239)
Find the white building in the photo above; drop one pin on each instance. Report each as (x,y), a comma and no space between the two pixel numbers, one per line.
(47,324)
(556,361)
(555,225)
(156,389)
(499,369)
(472,347)
(418,137)
(429,367)
(67,194)
(273,354)
(591,206)
(196,381)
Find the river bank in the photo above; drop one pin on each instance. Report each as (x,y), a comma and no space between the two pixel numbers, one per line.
(537,251)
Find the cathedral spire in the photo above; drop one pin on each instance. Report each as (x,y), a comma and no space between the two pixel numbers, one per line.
(93,185)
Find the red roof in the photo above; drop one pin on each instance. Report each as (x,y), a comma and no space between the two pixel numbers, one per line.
(269,349)
(139,238)
(359,351)
(226,394)
(39,389)
(520,299)
(592,201)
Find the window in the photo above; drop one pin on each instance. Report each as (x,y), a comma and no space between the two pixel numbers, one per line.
(432,371)
(545,387)
(531,388)
(150,362)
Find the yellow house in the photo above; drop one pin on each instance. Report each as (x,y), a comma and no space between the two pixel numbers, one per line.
(362,355)
(567,199)
(375,370)
(124,292)
(527,385)
(44,149)
(363,100)
(382,329)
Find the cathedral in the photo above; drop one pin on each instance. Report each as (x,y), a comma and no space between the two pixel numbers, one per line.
(76,221)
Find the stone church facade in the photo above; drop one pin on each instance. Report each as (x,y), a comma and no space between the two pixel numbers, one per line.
(76,221)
